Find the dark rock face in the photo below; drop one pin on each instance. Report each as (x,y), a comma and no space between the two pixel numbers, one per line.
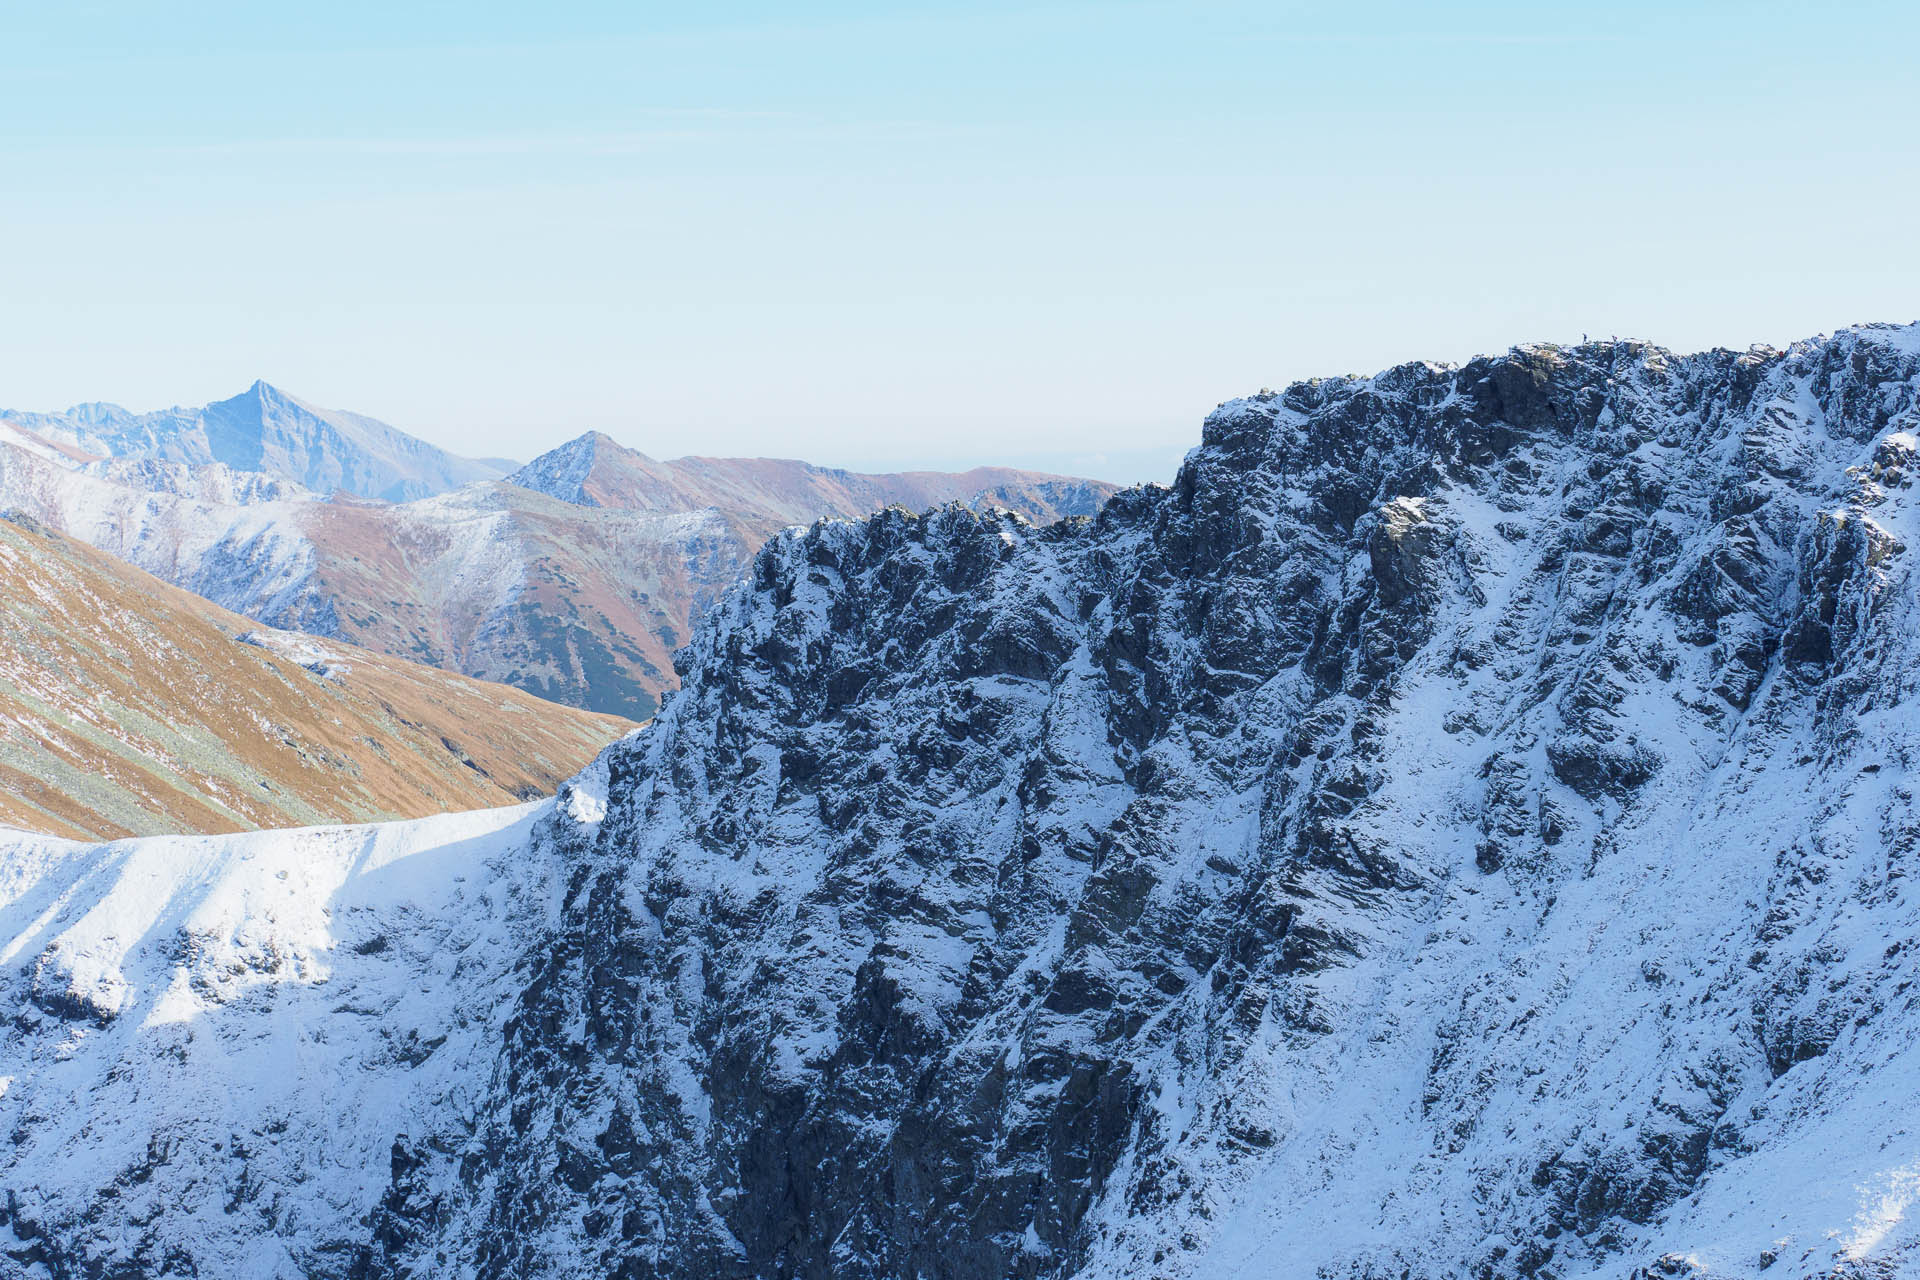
(969,846)
(1416,842)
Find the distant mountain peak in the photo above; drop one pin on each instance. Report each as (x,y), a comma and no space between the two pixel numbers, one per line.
(568,471)
(588,444)
(266,429)
(270,397)
(597,443)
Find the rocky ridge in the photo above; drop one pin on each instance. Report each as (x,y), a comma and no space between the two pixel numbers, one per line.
(763,495)
(1462,826)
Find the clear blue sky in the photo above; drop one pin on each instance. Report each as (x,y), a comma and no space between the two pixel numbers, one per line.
(885,235)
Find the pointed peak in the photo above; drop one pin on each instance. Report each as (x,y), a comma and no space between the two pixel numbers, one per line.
(589,445)
(577,452)
(568,471)
(261,393)
(263,400)
(265,392)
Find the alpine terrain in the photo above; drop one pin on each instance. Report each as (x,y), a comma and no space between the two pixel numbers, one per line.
(575,578)
(129,707)
(1464,826)
(265,430)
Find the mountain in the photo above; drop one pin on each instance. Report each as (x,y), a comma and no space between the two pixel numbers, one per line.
(265,430)
(577,602)
(135,708)
(1463,827)
(767,494)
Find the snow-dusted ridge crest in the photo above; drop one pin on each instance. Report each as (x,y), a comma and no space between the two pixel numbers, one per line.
(1463,826)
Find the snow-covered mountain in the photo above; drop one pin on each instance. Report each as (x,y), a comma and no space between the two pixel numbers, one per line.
(265,430)
(1463,827)
(579,601)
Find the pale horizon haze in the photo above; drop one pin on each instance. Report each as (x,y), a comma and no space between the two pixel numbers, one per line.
(935,235)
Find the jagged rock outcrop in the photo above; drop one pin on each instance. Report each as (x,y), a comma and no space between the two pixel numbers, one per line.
(1461,827)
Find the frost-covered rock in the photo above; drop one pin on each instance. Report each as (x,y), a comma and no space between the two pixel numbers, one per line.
(1461,827)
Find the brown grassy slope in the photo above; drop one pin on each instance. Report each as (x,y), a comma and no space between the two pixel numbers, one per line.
(129,707)
(578,604)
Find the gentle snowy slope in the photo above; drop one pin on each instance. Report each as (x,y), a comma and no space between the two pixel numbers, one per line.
(249,1017)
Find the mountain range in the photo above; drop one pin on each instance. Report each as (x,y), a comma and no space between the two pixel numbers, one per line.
(265,430)
(1461,827)
(594,470)
(573,578)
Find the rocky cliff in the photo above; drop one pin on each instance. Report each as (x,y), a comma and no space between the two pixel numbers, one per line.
(1461,827)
